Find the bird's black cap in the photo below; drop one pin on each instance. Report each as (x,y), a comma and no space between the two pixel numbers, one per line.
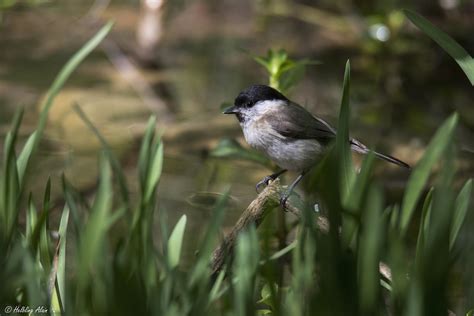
(256,93)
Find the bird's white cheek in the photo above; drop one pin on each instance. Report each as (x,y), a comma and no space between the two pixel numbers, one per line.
(249,133)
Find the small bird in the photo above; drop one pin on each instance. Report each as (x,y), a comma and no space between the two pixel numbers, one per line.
(287,133)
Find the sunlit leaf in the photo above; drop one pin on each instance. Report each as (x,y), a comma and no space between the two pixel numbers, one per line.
(175,242)
(144,155)
(24,157)
(154,173)
(59,295)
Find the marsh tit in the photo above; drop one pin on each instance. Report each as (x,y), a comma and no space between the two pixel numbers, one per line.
(287,133)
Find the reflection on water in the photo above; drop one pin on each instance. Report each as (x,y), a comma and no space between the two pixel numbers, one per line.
(207,200)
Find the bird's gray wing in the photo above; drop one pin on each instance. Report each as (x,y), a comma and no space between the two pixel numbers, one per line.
(294,121)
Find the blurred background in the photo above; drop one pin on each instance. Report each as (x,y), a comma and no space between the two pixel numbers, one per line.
(182,59)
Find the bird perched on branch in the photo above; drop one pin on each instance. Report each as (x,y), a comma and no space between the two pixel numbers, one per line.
(287,133)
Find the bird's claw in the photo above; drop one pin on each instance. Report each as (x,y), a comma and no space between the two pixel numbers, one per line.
(263,182)
(283,200)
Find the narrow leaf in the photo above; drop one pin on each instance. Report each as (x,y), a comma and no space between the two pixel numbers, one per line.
(456,51)
(342,138)
(59,294)
(61,277)
(370,250)
(421,172)
(109,154)
(66,72)
(154,174)
(424,226)
(144,156)
(460,210)
(24,157)
(175,242)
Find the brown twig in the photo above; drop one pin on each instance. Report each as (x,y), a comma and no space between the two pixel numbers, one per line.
(254,214)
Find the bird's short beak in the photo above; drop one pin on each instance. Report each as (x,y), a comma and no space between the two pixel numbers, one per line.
(231,110)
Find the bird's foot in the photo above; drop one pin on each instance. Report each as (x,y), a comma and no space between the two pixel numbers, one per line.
(264,182)
(283,200)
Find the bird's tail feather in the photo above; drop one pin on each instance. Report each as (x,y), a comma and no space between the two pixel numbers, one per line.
(362,149)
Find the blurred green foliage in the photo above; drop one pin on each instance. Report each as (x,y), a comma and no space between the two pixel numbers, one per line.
(283,72)
(8,4)
(81,270)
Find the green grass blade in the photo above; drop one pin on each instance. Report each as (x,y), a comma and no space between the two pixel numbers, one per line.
(456,51)
(70,196)
(342,139)
(424,226)
(10,188)
(31,218)
(13,192)
(24,157)
(59,294)
(93,274)
(115,216)
(284,251)
(372,239)
(17,118)
(245,267)
(154,173)
(47,194)
(65,73)
(93,237)
(61,277)
(44,241)
(32,277)
(103,200)
(460,210)
(144,156)
(414,305)
(216,288)
(33,141)
(355,198)
(206,247)
(175,242)
(109,153)
(37,235)
(421,172)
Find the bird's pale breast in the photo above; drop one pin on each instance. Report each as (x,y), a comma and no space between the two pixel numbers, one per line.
(288,153)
